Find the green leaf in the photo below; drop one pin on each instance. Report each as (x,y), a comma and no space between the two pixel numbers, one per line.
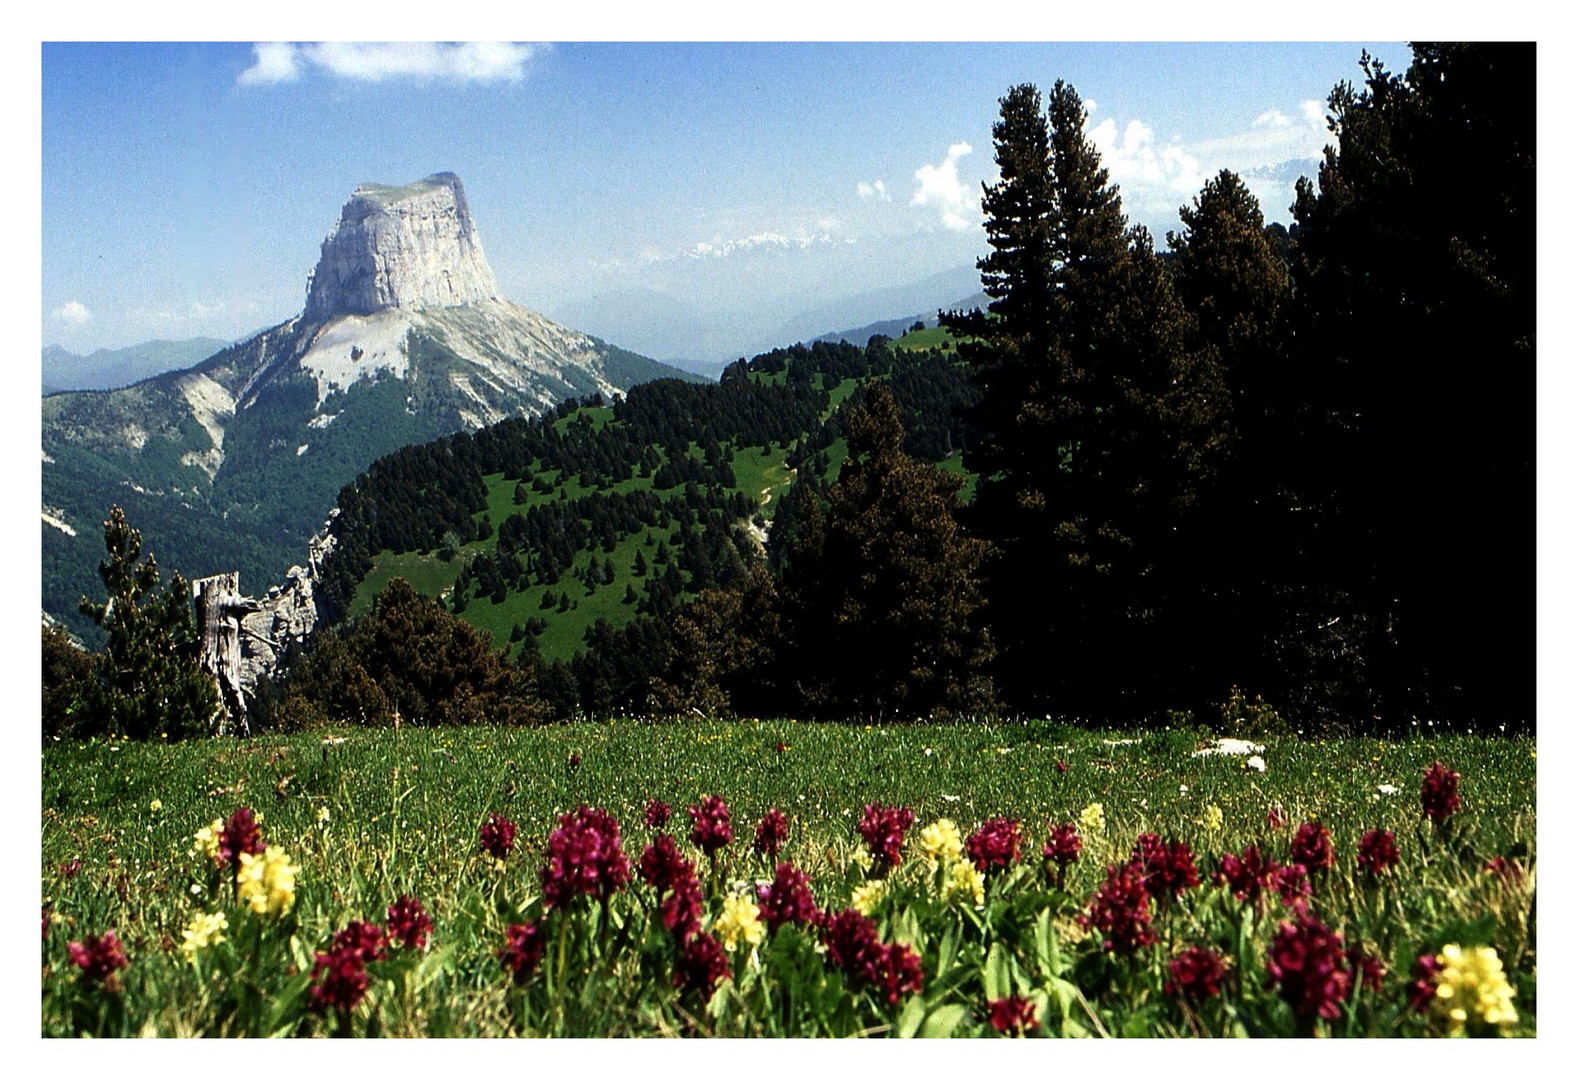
(942,1022)
(994,973)
(910,1018)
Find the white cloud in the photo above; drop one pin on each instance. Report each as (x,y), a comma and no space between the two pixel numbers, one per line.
(72,311)
(1314,113)
(1133,160)
(273,62)
(1273,118)
(718,249)
(939,186)
(874,190)
(370,61)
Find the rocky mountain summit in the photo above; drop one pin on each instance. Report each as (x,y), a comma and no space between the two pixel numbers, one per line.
(232,463)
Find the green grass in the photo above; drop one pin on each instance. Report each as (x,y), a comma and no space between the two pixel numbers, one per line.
(932,338)
(389,813)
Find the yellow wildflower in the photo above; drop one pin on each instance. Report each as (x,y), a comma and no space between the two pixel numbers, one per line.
(323,815)
(1093,818)
(267,882)
(940,842)
(1213,818)
(206,839)
(739,920)
(861,858)
(866,897)
(1471,988)
(963,879)
(156,806)
(203,931)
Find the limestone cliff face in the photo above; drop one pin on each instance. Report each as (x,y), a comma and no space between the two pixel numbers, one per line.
(409,247)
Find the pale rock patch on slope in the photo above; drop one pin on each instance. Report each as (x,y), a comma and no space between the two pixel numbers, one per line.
(512,344)
(211,407)
(484,413)
(57,521)
(352,347)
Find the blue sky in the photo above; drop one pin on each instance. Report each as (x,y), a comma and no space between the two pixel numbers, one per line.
(678,199)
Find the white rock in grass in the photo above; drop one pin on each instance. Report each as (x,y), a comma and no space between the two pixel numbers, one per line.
(1388,789)
(1255,762)
(1231,746)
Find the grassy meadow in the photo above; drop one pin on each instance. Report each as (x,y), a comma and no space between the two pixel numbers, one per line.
(390,814)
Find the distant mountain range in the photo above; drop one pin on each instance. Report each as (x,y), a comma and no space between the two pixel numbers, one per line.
(232,463)
(107,369)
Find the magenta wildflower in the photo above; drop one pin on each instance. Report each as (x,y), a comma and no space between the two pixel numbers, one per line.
(1505,869)
(241,835)
(1275,818)
(895,970)
(781,746)
(882,828)
(1061,850)
(1438,797)
(1307,966)
(787,898)
(497,835)
(584,858)
(366,939)
(1168,868)
(408,923)
(1423,988)
(522,952)
(682,907)
(1013,1015)
(99,958)
(1378,851)
(1365,970)
(771,833)
(1312,847)
(1120,910)
(1293,885)
(68,870)
(1248,875)
(853,947)
(339,978)
(43,914)
(1196,973)
(1062,767)
(575,761)
(995,845)
(657,814)
(710,828)
(662,864)
(702,962)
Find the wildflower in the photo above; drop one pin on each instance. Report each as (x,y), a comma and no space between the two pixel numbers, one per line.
(962,879)
(408,924)
(883,827)
(267,883)
(1275,818)
(69,870)
(896,971)
(788,898)
(323,815)
(1062,767)
(1312,847)
(780,746)
(1061,849)
(657,814)
(700,965)
(866,897)
(1367,971)
(661,864)
(1092,819)
(99,958)
(339,977)
(1471,990)
(1168,869)
(575,761)
(1438,796)
(497,836)
(584,857)
(681,908)
(740,920)
(710,828)
(155,806)
(1013,1015)
(1378,851)
(1423,990)
(1213,818)
(1196,973)
(1307,966)
(1292,883)
(771,833)
(1248,874)
(522,952)
(205,930)
(1120,910)
(366,940)
(853,946)
(940,842)
(995,845)
(1504,868)
(241,835)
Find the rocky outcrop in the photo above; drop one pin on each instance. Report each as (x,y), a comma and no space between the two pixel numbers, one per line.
(401,247)
(286,616)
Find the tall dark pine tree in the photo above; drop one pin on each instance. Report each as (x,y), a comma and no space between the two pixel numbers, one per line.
(1416,307)
(1096,420)
(880,591)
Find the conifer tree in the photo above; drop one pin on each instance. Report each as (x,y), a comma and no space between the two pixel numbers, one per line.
(148,681)
(881,593)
